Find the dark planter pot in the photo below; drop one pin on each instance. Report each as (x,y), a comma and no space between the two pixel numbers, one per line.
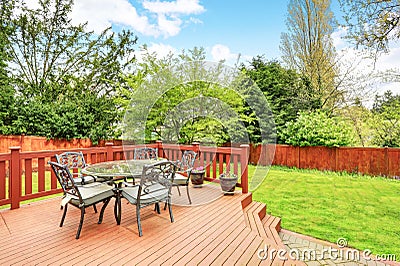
(197,178)
(228,184)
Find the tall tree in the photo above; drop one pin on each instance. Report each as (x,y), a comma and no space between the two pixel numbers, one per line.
(64,75)
(308,48)
(181,98)
(372,24)
(48,48)
(6,90)
(287,91)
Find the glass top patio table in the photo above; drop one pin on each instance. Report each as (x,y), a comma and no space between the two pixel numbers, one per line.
(118,169)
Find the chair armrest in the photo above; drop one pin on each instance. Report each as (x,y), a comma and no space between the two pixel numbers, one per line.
(83,177)
(126,184)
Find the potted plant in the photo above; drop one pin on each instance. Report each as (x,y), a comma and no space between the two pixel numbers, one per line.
(197,176)
(228,182)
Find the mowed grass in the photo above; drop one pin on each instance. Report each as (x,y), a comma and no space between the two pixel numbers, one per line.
(327,205)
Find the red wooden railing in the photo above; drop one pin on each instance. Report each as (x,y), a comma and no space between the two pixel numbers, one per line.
(26,175)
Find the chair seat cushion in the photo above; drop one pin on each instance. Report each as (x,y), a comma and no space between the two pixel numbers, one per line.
(180,179)
(154,193)
(93,193)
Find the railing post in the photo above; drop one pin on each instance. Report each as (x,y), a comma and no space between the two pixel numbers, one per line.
(196,147)
(109,151)
(15,177)
(160,148)
(244,160)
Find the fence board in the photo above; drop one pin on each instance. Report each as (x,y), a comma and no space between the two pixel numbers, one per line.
(393,162)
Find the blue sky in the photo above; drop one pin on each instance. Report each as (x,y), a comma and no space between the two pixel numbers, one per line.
(247,27)
(223,28)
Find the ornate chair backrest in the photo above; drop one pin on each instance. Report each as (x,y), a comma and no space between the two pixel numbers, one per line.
(156,179)
(73,160)
(65,179)
(145,153)
(187,160)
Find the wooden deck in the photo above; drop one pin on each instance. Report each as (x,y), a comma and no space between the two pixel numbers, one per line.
(229,230)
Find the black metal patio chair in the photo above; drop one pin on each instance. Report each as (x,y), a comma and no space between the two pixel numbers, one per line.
(75,161)
(81,196)
(184,169)
(155,187)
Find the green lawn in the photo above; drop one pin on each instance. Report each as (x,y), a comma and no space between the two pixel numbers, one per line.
(327,205)
(35,188)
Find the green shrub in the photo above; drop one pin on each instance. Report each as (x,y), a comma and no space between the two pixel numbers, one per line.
(317,129)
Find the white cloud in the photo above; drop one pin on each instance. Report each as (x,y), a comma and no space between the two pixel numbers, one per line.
(337,37)
(185,7)
(222,52)
(103,13)
(169,13)
(169,27)
(155,19)
(159,49)
(195,20)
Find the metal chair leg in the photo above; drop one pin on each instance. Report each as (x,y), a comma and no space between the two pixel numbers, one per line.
(117,208)
(102,211)
(64,213)
(187,191)
(138,220)
(171,216)
(179,191)
(94,208)
(157,207)
(81,222)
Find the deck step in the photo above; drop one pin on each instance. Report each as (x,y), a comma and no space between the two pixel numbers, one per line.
(247,200)
(266,227)
(271,225)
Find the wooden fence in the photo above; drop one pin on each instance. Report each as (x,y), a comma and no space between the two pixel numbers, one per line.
(35,143)
(25,175)
(371,161)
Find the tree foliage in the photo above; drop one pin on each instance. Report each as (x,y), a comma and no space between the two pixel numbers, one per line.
(308,48)
(286,91)
(385,120)
(64,75)
(372,24)
(358,116)
(7,102)
(182,98)
(318,129)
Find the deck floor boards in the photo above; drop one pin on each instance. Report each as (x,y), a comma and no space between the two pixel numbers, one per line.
(211,231)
